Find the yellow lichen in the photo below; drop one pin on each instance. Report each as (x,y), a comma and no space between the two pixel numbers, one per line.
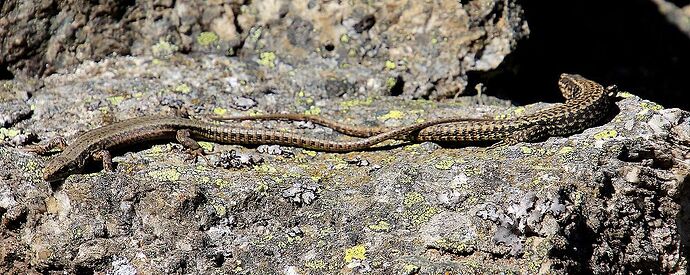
(380,226)
(356,102)
(115,100)
(624,94)
(651,106)
(313,110)
(411,269)
(206,38)
(394,114)
(344,38)
(207,146)
(565,150)
(444,164)
(163,48)
(267,59)
(8,133)
(390,82)
(219,111)
(412,198)
(309,153)
(390,65)
(221,183)
(182,88)
(355,252)
(519,111)
(169,174)
(606,134)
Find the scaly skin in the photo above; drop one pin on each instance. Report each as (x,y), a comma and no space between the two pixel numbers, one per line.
(96,144)
(586,104)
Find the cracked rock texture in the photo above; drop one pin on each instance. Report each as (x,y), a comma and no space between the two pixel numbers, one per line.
(610,199)
(417,48)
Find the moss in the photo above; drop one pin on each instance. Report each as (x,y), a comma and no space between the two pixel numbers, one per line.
(206,38)
(355,252)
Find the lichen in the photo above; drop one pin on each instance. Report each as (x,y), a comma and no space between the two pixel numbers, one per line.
(206,38)
(169,174)
(606,134)
(267,59)
(182,88)
(356,252)
(393,114)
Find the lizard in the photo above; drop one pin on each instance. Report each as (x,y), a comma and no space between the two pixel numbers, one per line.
(95,145)
(587,103)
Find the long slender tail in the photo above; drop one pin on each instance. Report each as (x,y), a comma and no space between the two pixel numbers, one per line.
(355,131)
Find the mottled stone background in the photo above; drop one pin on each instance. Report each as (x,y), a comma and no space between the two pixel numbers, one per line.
(611,199)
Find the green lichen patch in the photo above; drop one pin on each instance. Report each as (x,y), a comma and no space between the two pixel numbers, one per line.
(163,48)
(206,38)
(267,59)
(393,114)
(606,134)
(356,252)
(169,174)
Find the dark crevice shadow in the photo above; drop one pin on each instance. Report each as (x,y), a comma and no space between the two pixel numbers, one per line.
(623,42)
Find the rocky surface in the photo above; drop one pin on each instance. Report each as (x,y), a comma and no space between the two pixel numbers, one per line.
(417,48)
(609,199)
(612,199)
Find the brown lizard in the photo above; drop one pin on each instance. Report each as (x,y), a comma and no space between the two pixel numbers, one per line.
(587,102)
(96,144)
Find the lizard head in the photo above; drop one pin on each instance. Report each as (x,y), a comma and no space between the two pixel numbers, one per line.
(59,168)
(572,85)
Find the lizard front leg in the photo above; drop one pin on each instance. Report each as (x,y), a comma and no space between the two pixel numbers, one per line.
(105,157)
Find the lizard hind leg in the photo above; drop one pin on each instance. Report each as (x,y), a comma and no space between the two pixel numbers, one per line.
(195,150)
